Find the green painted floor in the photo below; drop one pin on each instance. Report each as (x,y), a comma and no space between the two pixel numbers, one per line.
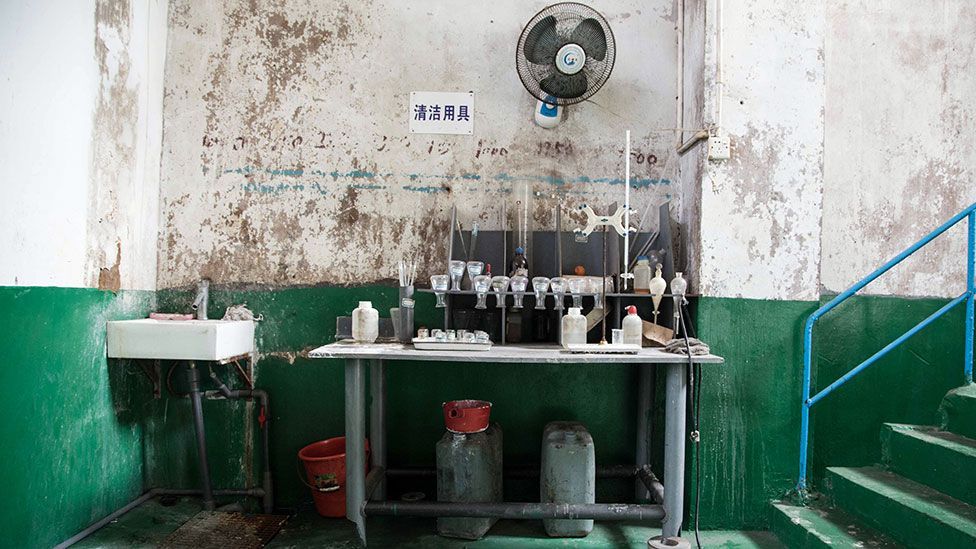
(150,523)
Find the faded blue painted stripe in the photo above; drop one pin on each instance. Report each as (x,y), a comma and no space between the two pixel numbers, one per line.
(557,181)
(425,189)
(297,172)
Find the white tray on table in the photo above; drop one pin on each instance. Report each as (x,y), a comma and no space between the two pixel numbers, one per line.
(431,344)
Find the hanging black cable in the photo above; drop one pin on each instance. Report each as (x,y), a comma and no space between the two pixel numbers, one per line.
(694,386)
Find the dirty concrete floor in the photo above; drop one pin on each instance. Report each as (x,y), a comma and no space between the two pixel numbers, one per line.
(150,523)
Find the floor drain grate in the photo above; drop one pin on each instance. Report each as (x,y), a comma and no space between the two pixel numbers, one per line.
(238,530)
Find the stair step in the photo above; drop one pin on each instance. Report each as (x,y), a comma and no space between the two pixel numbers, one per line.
(816,528)
(959,411)
(909,512)
(945,461)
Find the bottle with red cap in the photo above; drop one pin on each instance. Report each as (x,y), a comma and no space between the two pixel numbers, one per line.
(633,326)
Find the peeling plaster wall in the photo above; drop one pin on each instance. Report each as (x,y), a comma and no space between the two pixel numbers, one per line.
(287,158)
(123,204)
(694,44)
(80,130)
(761,210)
(899,150)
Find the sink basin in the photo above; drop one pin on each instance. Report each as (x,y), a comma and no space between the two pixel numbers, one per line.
(180,339)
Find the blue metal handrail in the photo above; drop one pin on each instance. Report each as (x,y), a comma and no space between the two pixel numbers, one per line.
(969,296)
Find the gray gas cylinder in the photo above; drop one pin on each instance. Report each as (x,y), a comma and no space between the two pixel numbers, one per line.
(469,469)
(568,474)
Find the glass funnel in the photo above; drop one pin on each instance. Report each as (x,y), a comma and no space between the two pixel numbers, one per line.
(540,285)
(500,285)
(575,287)
(456,268)
(558,286)
(438,283)
(481,284)
(475,268)
(519,283)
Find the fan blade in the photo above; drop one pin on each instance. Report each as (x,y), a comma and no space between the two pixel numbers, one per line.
(564,86)
(542,42)
(589,34)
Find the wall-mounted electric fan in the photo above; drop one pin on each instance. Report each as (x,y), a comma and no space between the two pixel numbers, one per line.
(564,55)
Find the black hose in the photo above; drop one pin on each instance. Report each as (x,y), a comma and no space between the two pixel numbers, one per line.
(695,373)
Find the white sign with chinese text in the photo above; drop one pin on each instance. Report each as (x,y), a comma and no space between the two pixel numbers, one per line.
(442,112)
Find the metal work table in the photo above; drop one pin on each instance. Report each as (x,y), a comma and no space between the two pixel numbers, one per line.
(670,503)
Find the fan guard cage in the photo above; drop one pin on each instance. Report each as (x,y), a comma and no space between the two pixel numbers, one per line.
(540,76)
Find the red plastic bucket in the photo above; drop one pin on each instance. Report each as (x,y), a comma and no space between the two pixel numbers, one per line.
(325,471)
(466,416)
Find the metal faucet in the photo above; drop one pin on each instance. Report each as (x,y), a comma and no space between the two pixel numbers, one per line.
(202,298)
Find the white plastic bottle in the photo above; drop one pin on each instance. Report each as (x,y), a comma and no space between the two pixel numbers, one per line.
(573,328)
(365,323)
(642,276)
(633,327)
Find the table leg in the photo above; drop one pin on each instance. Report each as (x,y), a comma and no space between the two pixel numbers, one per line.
(674,449)
(377,423)
(643,422)
(355,444)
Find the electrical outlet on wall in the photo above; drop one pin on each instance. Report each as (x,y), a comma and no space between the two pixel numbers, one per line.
(719,147)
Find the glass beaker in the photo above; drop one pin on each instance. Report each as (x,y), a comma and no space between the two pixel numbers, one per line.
(481,284)
(475,268)
(540,284)
(558,285)
(456,268)
(519,283)
(575,287)
(500,285)
(438,283)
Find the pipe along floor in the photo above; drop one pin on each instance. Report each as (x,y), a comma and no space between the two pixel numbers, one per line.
(150,523)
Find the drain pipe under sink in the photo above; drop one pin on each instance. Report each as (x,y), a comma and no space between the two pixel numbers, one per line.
(264,401)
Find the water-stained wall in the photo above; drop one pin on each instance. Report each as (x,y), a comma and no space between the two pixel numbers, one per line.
(760,210)
(848,123)
(287,158)
(899,152)
(79,142)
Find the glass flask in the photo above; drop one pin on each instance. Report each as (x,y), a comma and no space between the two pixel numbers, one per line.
(657,286)
(678,285)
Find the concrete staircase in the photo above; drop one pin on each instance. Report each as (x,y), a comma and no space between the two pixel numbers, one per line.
(924,495)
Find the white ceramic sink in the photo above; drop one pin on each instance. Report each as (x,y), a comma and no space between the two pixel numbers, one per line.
(180,339)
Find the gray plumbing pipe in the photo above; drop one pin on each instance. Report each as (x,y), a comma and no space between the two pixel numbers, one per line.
(264,401)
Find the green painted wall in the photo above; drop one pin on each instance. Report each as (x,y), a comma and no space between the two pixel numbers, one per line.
(751,405)
(905,386)
(90,436)
(307,396)
(749,408)
(71,448)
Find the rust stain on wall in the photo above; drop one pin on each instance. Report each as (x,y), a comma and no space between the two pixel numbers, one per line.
(109,278)
(113,141)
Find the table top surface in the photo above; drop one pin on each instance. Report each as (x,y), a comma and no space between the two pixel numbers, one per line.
(527,353)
